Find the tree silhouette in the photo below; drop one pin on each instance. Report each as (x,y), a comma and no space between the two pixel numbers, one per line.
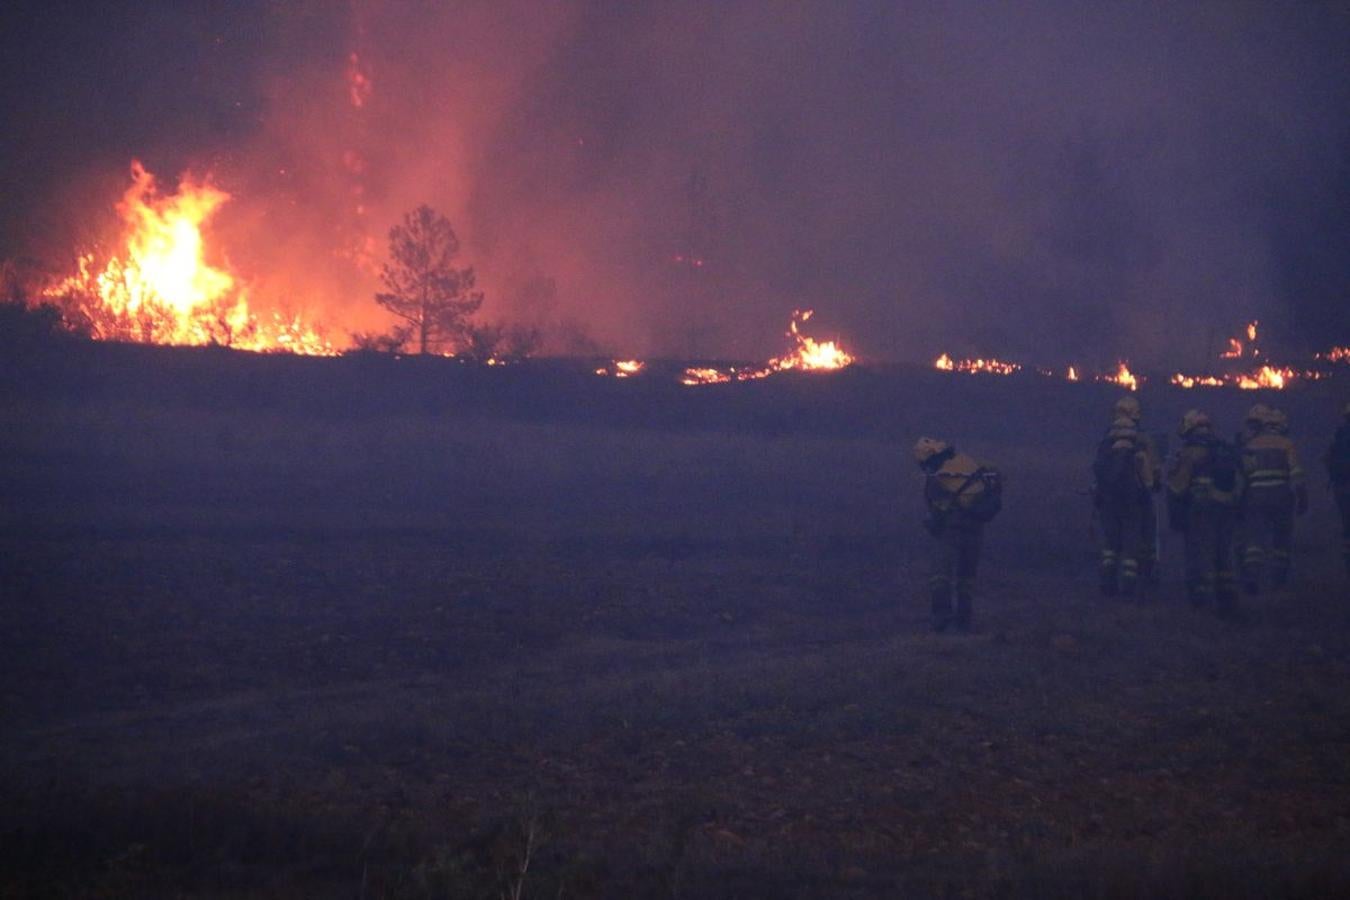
(422,285)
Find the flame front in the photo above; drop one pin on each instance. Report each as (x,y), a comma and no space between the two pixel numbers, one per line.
(807,355)
(990,366)
(161,290)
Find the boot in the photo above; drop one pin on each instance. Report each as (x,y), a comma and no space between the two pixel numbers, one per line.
(965,611)
(1279,568)
(1129,577)
(942,608)
(1252,560)
(1107,574)
(1199,595)
(1148,569)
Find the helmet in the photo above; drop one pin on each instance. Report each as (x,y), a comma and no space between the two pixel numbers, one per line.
(1278,421)
(1129,408)
(1259,414)
(1193,421)
(926,448)
(1345,410)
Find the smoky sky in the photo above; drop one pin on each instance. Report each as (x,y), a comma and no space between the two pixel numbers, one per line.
(1045,181)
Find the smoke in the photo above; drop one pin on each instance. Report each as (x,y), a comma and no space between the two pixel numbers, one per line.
(1051,181)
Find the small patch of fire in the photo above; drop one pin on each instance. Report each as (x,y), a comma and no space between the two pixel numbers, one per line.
(705,376)
(807,355)
(989,366)
(1264,377)
(1122,376)
(161,290)
(622,368)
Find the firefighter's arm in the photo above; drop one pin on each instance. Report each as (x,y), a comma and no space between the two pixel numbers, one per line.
(932,499)
(1178,492)
(1145,471)
(1154,463)
(1295,470)
(1297,481)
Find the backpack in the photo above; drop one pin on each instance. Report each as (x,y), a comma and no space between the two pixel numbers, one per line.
(1115,470)
(1223,465)
(983,505)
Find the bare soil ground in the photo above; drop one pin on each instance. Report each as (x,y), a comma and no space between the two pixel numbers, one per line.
(271,632)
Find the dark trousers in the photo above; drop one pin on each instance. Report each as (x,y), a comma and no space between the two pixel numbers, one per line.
(1148,544)
(1122,543)
(1209,556)
(1267,535)
(956,556)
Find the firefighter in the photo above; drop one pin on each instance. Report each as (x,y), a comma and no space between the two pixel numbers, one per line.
(1337,461)
(961,496)
(1275,492)
(1129,407)
(1123,478)
(1204,490)
(1252,424)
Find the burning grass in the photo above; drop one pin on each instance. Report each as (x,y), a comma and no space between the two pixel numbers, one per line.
(806,355)
(1260,376)
(160,288)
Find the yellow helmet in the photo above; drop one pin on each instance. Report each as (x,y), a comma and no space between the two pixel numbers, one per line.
(926,448)
(1129,408)
(1278,420)
(1193,420)
(1259,414)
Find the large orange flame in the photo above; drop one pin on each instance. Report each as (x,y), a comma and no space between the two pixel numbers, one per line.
(161,289)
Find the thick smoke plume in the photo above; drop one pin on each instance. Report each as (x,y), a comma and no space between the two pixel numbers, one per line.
(1058,181)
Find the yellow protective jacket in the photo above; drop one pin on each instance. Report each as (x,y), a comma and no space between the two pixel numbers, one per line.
(1188,478)
(1269,461)
(953,486)
(1147,468)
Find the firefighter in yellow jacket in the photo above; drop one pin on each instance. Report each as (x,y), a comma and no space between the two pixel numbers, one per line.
(1204,493)
(1275,492)
(1128,406)
(1122,481)
(961,495)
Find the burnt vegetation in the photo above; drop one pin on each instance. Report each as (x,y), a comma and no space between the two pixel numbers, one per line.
(399,627)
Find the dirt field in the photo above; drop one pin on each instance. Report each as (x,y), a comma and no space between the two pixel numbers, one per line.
(380,628)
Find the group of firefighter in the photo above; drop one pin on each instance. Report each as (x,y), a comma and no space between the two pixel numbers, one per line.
(1233,502)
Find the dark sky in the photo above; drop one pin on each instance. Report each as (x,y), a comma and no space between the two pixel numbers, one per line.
(1049,181)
